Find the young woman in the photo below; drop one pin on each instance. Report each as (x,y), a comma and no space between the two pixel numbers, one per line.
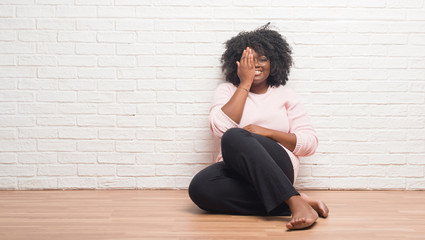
(263,129)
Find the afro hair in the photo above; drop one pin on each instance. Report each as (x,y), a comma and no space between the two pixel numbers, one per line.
(265,42)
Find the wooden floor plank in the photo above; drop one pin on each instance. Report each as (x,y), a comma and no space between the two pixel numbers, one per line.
(169,214)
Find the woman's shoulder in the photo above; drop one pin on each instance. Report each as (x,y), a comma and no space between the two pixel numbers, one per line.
(226,86)
(285,90)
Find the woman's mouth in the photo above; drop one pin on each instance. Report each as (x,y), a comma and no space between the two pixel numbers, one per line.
(258,72)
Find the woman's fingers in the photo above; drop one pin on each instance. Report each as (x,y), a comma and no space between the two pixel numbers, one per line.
(251,59)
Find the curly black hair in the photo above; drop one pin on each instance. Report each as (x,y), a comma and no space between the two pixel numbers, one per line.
(265,42)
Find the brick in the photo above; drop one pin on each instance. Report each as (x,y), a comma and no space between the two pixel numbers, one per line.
(36,11)
(115,12)
(95,48)
(16,96)
(77,108)
(156,61)
(38,133)
(136,121)
(16,48)
(177,121)
(95,97)
(95,146)
(17,23)
(76,36)
(76,158)
(75,11)
(17,121)
(56,145)
(137,97)
(60,96)
(77,61)
(77,183)
(156,109)
(117,85)
(17,171)
(181,97)
(94,2)
(7,11)
(194,158)
(56,24)
(8,183)
(147,84)
(37,60)
(116,158)
(386,183)
(133,2)
(7,61)
(17,72)
(134,146)
(156,37)
(117,109)
(116,134)
(96,121)
(57,72)
(65,84)
(94,170)
(155,182)
(8,134)
(116,61)
(135,49)
(77,133)
(155,134)
(37,183)
(135,171)
(312,183)
(56,48)
(116,183)
(8,158)
(175,49)
(155,158)
(37,158)
(179,170)
(96,73)
(39,84)
(56,121)
(116,37)
(137,73)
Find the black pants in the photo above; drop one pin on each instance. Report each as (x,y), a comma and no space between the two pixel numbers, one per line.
(255,177)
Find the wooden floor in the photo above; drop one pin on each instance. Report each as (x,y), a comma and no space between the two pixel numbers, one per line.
(169,214)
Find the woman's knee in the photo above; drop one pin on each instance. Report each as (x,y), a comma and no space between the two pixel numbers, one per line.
(199,191)
(233,136)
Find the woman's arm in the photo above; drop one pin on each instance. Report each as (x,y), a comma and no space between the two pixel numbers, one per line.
(246,72)
(288,140)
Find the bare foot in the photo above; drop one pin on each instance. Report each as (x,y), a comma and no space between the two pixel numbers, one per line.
(319,206)
(303,215)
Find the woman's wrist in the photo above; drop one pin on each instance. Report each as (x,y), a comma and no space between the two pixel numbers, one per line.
(245,86)
(244,89)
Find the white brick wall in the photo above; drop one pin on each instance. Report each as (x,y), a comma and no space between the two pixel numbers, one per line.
(115,93)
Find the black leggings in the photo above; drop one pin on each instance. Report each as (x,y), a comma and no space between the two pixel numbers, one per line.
(255,177)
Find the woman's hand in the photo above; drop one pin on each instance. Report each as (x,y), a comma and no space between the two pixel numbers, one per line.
(258,130)
(246,68)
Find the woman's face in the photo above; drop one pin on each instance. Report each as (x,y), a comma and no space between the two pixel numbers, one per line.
(262,68)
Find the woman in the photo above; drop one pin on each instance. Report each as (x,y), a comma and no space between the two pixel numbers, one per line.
(263,129)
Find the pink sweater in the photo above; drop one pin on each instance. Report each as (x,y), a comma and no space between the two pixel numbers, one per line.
(279,109)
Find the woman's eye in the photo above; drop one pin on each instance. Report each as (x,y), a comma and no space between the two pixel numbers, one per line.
(263,59)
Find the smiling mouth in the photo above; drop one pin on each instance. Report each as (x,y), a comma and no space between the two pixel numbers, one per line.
(257,72)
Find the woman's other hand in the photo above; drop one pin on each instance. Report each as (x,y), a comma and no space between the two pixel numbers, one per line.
(258,130)
(246,68)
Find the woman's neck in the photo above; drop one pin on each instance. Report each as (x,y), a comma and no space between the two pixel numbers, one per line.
(259,88)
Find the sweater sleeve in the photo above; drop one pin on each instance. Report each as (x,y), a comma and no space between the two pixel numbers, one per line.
(218,120)
(300,125)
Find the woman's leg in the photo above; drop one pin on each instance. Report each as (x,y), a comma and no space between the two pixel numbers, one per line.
(245,154)
(219,189)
